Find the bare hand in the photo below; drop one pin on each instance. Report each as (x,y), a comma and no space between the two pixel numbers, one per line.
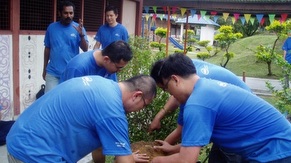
(165,146)
(80,27)
(140,157)
(155,125)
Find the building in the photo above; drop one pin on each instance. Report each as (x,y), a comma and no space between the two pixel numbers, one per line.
(22,28)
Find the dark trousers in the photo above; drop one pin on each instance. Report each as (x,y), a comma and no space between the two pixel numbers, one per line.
(216,155)
(4,129)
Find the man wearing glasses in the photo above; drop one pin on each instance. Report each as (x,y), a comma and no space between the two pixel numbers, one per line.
(79,116)
(104,62)
(235,120)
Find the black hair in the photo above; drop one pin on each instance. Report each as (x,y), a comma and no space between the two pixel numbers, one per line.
(63,4)
(155,71)
(175,64)
(117,51)
(112,8)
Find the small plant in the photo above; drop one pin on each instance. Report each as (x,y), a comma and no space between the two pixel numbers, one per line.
(139,122)
(203,55)
(225,38)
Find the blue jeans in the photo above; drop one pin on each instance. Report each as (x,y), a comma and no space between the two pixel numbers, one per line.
(50,82)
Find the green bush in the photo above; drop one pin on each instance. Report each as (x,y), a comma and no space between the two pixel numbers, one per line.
(139,121)
(203,55)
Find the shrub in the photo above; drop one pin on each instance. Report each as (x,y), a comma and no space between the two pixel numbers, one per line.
(203,55)
(139,121)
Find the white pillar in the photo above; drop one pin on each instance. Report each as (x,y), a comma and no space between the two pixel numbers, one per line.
(181,32)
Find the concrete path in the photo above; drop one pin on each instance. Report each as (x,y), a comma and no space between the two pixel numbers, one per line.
(258,85)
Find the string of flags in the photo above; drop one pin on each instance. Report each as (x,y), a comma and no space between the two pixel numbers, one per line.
(244,18)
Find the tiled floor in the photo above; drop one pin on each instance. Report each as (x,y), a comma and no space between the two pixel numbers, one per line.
(3,156)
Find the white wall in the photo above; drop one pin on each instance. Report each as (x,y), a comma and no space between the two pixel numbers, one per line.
(129,15)
(207,33)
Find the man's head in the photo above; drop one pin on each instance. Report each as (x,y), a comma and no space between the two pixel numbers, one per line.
(66,12)
(139,91)
(111,14)
(116,55)
(175,64)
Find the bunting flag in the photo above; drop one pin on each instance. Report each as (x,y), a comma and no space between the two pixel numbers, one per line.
(262,21)
(233,19)
(161,16)
(215,18)
(271,17)
(259,17)
(146,8)
(155,9)
(147,17)
(247,17)
(207,16)
(174,9)
(193,12)
(236,16)
(183,10)
(174,16)
(252,20)
(243,20)
(225,15)
(154,17)
(213,13)
(202,12)
(284,17)
(165,9)
(199,16)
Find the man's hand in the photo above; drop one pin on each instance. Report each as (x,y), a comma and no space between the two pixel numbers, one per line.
(80,27)
(155,125)
(140,157)
(165,146)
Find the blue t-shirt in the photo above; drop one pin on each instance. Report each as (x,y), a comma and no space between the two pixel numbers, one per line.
(287,47)
(212,71)
(236,120)
(69,122)
(64,43)
(106,34)
(83,65)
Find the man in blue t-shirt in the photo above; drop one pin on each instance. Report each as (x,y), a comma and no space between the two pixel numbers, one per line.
(111,31)
(235,120)
(287,55)
(79,116)
(104,62)
(62,42)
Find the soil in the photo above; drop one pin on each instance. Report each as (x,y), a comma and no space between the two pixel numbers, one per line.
(147,148)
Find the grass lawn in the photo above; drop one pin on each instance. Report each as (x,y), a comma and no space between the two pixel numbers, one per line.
(245,59)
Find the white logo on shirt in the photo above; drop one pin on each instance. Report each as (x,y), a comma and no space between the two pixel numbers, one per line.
(204,70)
(73,35)
(86,80)
(222,84)
(120,144)
(117,35)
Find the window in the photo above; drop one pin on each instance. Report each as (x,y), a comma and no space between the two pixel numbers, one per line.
(93,15)
(5,15)
(35,14)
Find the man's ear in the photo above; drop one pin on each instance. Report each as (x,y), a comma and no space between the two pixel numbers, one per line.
(175,78)
(106,59)
(136,94)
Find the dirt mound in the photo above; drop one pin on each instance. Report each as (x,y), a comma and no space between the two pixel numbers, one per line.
(147,148)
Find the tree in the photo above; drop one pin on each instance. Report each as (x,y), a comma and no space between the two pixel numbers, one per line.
(225,38)
(161,32)
(267,54)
